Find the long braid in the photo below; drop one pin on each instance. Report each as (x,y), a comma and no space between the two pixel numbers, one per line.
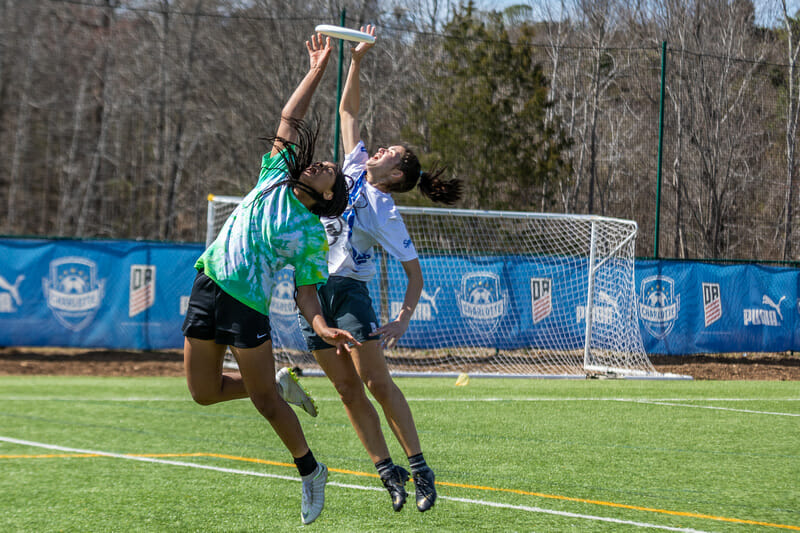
(298,156)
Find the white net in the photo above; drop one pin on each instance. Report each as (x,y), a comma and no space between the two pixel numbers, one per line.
(505,293)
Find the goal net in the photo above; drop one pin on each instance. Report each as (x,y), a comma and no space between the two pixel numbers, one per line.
(506,293)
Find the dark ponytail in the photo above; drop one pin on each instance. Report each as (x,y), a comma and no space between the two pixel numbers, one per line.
(430,184)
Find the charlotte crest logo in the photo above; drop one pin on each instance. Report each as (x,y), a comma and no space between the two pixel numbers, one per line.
(659,305)
(481,301)
(712,303)
(10,300)
(73,292)
(426,310)
(283,302)
(142,292)
(541,298)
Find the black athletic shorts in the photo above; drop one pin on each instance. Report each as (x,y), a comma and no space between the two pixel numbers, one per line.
(345,305)
(215,315)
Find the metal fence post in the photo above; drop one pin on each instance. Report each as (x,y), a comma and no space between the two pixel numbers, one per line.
(660,147)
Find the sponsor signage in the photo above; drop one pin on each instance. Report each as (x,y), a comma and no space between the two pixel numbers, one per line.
(132,295)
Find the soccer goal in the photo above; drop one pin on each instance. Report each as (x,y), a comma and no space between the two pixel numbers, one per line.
(506,293)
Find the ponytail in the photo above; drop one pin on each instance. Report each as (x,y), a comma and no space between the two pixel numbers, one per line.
(438,189)
(430,184)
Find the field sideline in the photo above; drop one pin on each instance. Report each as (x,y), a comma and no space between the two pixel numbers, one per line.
(136,454)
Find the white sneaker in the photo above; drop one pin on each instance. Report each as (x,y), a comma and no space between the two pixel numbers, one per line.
(290,390)
(313,494)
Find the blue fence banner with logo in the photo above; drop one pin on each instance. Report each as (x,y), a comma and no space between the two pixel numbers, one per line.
(94,294)
(133,295)
(691,307)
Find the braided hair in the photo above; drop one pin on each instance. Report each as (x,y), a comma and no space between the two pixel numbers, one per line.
(298,156)
(430,183)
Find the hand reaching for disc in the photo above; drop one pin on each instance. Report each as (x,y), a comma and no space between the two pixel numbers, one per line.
(359,51)
(319,51)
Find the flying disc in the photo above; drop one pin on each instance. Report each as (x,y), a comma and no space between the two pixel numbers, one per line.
(340,32)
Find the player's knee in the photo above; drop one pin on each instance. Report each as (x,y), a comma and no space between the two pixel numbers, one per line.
(381,389)
(203,397)
(351,392)
(266,404)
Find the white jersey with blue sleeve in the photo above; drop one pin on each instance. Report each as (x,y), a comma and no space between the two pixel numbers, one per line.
(371,218)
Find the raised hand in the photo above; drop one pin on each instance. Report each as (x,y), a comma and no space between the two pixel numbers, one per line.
(359,51)
(319,51)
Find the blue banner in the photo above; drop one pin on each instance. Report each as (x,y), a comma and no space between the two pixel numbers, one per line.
(94,294)
(133,295)
(690,307)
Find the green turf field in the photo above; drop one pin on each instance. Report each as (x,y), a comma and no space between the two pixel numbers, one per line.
(136,454)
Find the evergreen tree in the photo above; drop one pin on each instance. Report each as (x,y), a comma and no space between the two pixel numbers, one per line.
(484,115)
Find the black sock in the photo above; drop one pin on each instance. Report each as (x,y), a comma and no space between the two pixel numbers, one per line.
(385,467)
(417,462)
(306,464)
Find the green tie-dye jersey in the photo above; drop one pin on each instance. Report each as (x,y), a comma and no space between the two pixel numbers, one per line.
(264,234)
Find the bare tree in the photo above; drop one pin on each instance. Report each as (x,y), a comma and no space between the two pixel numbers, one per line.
(23,126)
(792,119)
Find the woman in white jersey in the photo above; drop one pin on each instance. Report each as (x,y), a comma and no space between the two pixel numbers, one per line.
(372,218)
(277,224)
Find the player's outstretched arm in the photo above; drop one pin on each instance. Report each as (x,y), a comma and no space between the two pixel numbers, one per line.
(319,51)
(308,304)
(351,94)
(390,333)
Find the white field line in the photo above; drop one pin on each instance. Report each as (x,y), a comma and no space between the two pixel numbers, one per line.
(668,402)
(20,398)
(484,503)
(712,407)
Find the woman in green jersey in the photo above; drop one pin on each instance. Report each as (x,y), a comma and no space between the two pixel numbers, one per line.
(276,225)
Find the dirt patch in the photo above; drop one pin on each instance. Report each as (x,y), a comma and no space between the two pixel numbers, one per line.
(761,366)
(82,362)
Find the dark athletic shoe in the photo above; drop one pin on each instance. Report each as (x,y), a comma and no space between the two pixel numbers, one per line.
(426,489)
(395,484)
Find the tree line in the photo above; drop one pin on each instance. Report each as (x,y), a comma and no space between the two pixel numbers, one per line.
(119,117)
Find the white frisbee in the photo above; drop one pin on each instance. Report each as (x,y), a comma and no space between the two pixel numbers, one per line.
(340,32)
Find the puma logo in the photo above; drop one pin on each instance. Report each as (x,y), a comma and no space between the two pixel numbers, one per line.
(13,289)
(766,300)
(607,299)
(430,299)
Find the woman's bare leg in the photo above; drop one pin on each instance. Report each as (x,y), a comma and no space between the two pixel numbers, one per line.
(371,366)
(257,368)
(359,409)
(202,361)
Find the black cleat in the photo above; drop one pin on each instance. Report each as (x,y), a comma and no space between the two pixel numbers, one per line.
(426,489)
(395,484)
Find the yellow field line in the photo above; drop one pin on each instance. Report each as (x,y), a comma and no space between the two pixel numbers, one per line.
(440,483)
(620,505)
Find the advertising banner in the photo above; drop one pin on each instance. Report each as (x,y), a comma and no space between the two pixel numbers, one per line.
(133,295)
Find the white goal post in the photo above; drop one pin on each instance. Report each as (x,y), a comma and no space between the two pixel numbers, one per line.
(506,293)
